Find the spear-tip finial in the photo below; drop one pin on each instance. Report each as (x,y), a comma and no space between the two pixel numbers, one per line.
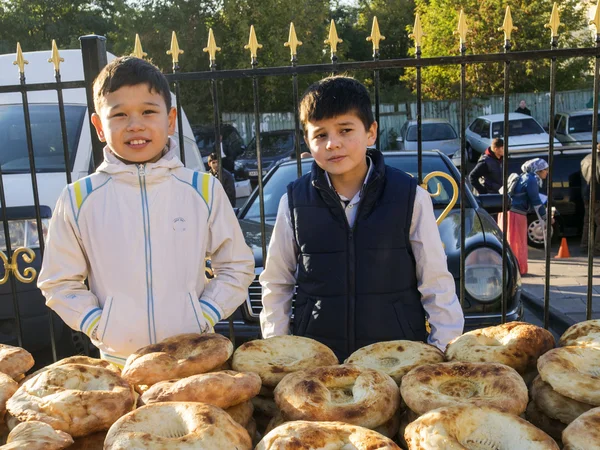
(211,48)
(596,21)
(462,27)
(55,59)
(554,21)
(21,61)
(138,52)
(507,25)
(293,41)
(417,34)
(175,51)
(253,44)
(333,40)
(376,35)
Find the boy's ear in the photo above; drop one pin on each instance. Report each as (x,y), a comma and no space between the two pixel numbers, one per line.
(98,126)
(372,133)
(172,120)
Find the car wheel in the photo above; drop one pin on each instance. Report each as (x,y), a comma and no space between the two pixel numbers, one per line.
(472,155)
(535,233)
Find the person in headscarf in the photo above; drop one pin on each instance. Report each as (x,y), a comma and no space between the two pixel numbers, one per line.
(524,200)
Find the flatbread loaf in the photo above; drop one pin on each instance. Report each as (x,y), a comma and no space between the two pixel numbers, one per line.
(555,405)
(15,361)
(344,393)
(584,432)
(275,357)
(396,358)
(74,398)
(548,425)
(241,413)
(474,428)
(177,425)
(8,387)
(515,344)
(324,435)
(36,436)
(177,357)
(573,372)
(222,389)
(77,359)
(434,386)
(582,333)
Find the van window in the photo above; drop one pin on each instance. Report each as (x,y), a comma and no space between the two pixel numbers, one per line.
(270,145)
(46,134)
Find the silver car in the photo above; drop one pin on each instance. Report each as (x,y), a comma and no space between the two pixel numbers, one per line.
(436,134)
(525,133)
(574,127)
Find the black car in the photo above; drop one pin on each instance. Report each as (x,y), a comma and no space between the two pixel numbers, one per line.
(483,240)
(274,147)
(233,144)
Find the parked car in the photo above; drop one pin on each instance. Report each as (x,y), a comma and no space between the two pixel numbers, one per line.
(50,171)
(574,127)
(233,143)
(437,134)
(525,133)
(274,146)
(483,239)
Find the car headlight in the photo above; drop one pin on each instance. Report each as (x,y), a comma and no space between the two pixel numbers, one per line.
(238,165)
(483,274)
(23,233)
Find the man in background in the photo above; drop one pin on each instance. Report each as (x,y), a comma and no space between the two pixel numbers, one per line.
(523,109)
(226,177)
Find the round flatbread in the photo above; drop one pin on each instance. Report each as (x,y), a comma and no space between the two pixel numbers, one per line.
(515,344)
(573,372)
(434,386)
(472,427)
(15,361)
(8,387)
(396,358)
(36,436)
(77,359)
(275,357)
(551,427)
(584,432)
(241,413)
(555,405)
(581,334)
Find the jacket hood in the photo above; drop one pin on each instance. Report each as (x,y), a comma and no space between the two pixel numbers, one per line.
(115,167)
(491,154)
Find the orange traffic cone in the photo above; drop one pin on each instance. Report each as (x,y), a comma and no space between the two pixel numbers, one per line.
(563,251)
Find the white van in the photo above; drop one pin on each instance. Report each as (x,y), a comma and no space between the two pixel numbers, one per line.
(46,130)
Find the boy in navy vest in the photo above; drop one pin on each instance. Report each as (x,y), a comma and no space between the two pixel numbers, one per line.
(359,239)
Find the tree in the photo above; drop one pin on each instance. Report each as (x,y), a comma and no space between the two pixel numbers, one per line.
(439,19)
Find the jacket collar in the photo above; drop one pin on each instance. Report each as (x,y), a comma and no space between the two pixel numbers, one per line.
(115,167)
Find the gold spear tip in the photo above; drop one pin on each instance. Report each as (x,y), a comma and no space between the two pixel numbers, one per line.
(417,33)
(333,40)
(462,26)
(138,52)
(21,61)
(507,25)
(253,44)
(376,36)
(175,50)
(596,21)
(554,21)
(56,59)
(293,41)
(211,48)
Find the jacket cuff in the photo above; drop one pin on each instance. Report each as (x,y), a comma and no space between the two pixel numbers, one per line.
(211,311)
(89,319)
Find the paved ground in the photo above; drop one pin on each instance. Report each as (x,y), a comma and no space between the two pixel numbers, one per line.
(568,285)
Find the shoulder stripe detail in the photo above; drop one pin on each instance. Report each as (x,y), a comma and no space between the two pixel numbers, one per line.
(82,189)
(203,184)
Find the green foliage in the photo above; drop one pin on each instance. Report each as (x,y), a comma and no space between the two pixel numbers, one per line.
(439,19)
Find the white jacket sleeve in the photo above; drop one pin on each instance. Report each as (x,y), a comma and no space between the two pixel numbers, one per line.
(64,270)
(231,259)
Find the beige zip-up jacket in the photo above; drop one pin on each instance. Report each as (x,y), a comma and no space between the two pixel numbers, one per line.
(140,235)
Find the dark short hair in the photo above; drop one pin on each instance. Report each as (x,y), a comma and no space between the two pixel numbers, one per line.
(497,142)
(334,96)
(130,71)
(213,157)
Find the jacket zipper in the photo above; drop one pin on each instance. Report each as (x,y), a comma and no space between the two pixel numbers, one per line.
(148,254)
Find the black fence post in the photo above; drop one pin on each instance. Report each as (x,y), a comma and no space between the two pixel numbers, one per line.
(93,52)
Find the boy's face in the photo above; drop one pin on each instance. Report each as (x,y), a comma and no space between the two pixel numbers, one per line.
(135,123)
(339,144)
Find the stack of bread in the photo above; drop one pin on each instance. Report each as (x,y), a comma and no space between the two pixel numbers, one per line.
(568,384)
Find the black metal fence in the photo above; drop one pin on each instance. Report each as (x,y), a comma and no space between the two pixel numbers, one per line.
(94,57)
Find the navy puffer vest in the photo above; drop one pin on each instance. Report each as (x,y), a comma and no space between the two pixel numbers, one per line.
(356,286)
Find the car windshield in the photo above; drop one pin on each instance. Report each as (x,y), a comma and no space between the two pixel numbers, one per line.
(46,135)
(432,132)
(275,186)
(581,124)
(206,143)
(270,145)
(518,127)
